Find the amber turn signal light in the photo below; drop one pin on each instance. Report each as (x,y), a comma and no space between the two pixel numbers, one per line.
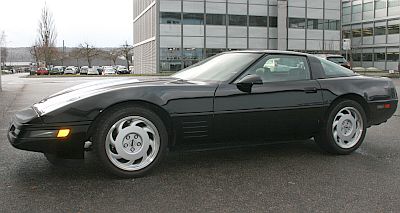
(62,133)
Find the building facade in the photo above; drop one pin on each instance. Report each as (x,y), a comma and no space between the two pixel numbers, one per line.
(170,35)
(373,27)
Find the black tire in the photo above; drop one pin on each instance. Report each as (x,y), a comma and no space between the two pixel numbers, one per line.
(111,117)
(61,162)
(325,139)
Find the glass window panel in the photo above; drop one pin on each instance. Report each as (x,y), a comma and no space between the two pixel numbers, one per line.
(393,56)
(170,53)
(367,31)
(356,56)
(273,21)
(346,33)
(346,10)
(258,21)
(367,56)
(216,19)
(170,65)
(356,33)
(393,29)
(211,52)
(379,56)
(381,30)
(237,20)
(332,69)
(170,18)
(193,18)
(297,23)
(193,53)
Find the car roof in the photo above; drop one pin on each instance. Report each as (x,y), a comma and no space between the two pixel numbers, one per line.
(271,52)
(328,55)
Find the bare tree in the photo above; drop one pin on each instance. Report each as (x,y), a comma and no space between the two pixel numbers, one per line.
(89,52)
(4,55)
(34,51)
(45,44)
(3,51)
(127,53)
(75,54)
(112,55)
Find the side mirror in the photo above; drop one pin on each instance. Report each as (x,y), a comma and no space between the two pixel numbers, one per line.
(245,84)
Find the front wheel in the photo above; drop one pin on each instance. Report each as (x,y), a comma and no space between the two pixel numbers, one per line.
(130,141)
(345,128)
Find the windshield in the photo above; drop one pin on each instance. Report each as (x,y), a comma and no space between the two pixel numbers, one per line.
(340,60)
(221,67)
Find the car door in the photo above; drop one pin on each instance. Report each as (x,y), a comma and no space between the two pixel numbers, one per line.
(288,103)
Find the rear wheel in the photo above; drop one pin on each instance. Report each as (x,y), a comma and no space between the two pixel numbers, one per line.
(345,128)
(130,141)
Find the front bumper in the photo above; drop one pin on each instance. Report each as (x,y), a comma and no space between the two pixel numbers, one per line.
(41,137)
(379,112)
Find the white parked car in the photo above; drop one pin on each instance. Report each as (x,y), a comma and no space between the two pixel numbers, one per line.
(70,70)
(92,71)
(109,71)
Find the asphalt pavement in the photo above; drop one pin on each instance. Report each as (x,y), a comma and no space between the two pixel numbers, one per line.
(292,177)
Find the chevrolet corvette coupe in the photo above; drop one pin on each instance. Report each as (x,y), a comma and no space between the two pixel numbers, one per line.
(231,99)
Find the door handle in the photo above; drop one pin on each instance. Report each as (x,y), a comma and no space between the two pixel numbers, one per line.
(310,90)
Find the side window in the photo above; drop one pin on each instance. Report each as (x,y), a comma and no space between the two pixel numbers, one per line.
(273,68)
(334,70)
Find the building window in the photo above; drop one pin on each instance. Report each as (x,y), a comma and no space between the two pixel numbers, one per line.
(193,53)
(356,56)
(367,32)
(297,23)
(237,20)
(258,21)
(380,4)
(379,56)
(212,52)
(216,19)
(273,21)
(393,29)
(368,7)
(316,24)
(346,8)
(170,65)
(170,53)
(332,25)
(193,18)
(170,18)
(367,56)
(346,33)
(394,56)
(381,30)
(356,33)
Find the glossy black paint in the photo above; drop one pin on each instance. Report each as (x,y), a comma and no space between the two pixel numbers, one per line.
(198,113)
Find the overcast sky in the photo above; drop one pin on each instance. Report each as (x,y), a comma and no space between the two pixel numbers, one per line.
(102,23)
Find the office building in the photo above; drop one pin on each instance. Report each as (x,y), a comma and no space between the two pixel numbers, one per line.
(373,27)
(172,34)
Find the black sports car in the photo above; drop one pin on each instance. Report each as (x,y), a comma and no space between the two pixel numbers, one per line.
(234,98)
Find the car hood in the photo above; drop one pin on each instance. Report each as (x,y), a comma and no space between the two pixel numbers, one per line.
(81,91)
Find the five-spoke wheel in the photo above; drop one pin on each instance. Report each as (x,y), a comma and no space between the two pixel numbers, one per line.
(130,140)
(345,128)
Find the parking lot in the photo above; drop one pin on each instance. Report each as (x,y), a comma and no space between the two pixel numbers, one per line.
(289,177)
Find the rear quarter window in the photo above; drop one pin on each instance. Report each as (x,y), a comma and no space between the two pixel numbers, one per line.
(332,70)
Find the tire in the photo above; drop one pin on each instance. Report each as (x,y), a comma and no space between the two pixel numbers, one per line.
(130,141)
(345,128)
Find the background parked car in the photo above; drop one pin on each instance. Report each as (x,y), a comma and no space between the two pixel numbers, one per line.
(109,71)
(92,71)
(70,70)
(57,70)
(84,70)
(122,70)
(338,59)
(42,71)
